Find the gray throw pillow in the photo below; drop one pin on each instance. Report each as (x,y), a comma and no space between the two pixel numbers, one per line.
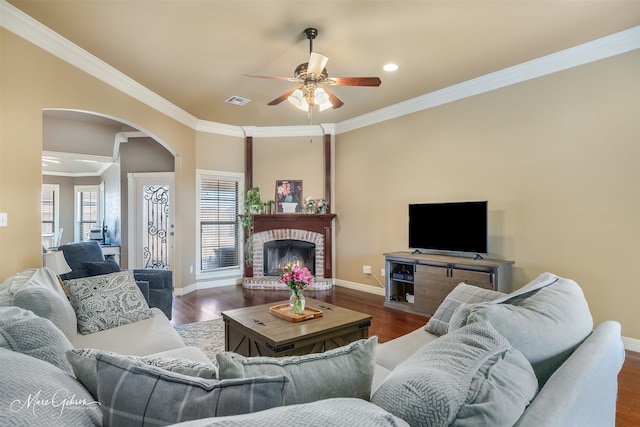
(24,332)
(461,294)
(341,372)
(134,394)
(107,301)
(37,393)
(546,323)
(39,290)
(85,365)
(339,412)
(468,377)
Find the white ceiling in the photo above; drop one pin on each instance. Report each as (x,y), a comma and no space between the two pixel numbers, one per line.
(196,53)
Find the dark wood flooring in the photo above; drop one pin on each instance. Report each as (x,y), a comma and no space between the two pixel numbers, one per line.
(387,324)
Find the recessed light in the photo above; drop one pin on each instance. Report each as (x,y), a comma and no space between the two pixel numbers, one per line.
(390,67)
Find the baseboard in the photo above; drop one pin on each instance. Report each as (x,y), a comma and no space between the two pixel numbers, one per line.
(208,284)
(359,287)
(631,344)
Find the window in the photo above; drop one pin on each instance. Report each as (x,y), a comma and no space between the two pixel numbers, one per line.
(50,212)
(88,210)
(219,232)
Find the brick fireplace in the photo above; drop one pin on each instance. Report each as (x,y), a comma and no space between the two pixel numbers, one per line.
(315,230)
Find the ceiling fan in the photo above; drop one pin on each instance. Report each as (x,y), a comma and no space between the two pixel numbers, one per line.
(312,76)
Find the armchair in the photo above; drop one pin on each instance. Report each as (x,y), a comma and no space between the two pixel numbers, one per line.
(156,285)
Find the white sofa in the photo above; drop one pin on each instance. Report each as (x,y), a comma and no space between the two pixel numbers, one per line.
(39,291)
(559,371)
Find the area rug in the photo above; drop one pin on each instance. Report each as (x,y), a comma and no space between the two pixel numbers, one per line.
(207,335)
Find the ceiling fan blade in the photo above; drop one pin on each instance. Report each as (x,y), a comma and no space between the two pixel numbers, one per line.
(288,79)
(282,97)
(317,62)
(333,99)
(354,81)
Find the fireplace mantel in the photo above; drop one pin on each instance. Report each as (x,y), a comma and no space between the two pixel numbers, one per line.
(318,223)
(312,222)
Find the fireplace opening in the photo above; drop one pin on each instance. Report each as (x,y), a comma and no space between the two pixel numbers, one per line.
(279,253)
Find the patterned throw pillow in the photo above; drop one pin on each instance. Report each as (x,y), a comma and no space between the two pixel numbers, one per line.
(85,365)
(107,301)
(341,372)
(461,294)
(38,394)
(468,377)
(24,332)
(131,393)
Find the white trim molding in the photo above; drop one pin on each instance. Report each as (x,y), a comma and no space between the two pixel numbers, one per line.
(631,344)
(359,287)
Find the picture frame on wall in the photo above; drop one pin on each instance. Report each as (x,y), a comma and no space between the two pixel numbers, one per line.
(288,196)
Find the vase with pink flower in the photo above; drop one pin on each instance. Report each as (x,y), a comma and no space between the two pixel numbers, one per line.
(297,280)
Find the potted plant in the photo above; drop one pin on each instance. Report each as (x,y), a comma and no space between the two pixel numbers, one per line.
(252,206)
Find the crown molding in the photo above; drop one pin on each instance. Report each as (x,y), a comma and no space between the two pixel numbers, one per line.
(605,47)
(31,30)
(21,24)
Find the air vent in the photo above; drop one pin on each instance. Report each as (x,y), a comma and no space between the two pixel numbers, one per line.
(237,100)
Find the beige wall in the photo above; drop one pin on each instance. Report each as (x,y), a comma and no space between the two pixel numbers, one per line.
(291,158)
(32,80)
(555,157)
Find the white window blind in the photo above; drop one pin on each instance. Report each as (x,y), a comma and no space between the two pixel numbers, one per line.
(87,204)
(219,240)
(49,209)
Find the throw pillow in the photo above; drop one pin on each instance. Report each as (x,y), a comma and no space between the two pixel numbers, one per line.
(469,377)
(339,412)
(84,362)
(107,301)
(341,372)
(101,267)
(461,294)
(39,291)
(37,393)
(133,394)
(26,333)
(546,323)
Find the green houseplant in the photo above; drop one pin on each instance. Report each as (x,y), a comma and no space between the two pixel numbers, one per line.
(252,206)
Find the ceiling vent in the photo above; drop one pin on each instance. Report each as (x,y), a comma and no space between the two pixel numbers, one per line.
(237,100)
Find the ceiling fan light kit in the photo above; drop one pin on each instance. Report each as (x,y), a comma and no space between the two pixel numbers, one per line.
(312,76)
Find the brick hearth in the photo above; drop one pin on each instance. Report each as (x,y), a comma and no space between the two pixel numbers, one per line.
(314,229)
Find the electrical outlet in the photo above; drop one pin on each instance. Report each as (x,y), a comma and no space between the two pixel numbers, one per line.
(382,272)
(366,269)
(191,269)
(3,219)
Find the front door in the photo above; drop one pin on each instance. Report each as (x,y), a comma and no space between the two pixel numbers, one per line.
(152,220)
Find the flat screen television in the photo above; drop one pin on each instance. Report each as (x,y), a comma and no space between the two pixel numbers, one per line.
(449,227)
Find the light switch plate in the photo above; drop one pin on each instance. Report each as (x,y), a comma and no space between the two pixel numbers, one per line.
(3,219)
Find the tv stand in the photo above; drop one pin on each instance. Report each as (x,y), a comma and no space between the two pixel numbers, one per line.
(478,256)
(416,251)
(428,278)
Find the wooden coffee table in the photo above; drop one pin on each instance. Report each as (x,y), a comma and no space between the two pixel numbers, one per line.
(254,331)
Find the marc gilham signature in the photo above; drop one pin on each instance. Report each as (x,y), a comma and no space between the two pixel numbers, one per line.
(61,400)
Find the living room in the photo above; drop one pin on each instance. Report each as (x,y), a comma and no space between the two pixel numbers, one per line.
(554,155)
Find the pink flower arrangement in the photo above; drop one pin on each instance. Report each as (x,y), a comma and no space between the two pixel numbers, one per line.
(296,278)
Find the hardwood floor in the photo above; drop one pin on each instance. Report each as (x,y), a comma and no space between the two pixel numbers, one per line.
(387,324)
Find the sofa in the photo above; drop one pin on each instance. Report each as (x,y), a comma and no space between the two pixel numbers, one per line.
(529,358)
(86,259)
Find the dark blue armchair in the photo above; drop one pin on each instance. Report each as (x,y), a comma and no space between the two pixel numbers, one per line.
(84,259)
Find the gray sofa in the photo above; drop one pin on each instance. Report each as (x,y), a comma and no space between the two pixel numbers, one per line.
(532,358)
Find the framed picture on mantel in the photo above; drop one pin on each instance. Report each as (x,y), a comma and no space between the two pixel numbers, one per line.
(288,196)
